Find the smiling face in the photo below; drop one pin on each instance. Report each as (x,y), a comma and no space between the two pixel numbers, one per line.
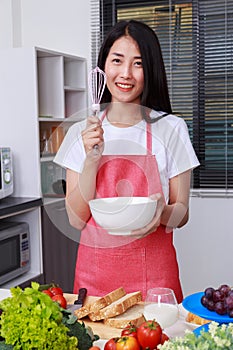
(124,71)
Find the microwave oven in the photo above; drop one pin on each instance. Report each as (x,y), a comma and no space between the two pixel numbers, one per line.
(14,250)
(6,172)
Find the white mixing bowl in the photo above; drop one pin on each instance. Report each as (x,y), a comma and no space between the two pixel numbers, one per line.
(121,215)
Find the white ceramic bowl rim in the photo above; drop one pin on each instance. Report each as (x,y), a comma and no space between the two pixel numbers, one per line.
(119,201)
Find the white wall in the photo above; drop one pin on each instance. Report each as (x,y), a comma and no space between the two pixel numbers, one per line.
(204,245)
(5,24)
(62,25)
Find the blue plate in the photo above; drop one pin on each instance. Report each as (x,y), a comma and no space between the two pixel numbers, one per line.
(193,304)
(204,327)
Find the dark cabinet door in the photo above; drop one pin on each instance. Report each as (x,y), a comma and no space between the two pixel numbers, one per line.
(60,244)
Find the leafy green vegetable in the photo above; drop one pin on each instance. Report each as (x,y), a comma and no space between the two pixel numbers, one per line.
(218,337)
(31,320)
(4,346)
(85,335)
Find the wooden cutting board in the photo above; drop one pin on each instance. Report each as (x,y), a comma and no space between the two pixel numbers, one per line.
(98,327)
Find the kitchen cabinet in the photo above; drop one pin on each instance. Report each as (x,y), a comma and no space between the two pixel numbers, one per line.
(42,92)
(60,244)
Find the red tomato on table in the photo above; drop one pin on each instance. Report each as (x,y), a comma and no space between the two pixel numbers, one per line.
(47,291)
(149,334)
(60,300)
(111,344)
(164,337)
(56,291)
(129,330)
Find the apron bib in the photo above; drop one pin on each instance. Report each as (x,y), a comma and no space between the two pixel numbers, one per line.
(106,262)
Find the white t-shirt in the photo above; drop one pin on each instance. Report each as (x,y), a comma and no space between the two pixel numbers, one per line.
(170,144)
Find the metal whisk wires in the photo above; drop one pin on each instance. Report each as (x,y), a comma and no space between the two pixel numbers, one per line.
(96,83)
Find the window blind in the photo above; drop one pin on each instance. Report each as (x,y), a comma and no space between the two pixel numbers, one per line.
(196,38)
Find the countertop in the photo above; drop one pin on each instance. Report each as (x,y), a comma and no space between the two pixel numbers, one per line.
(13,205)
(107,332)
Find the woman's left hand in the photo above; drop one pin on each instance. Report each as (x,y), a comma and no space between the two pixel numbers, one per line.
(155,222)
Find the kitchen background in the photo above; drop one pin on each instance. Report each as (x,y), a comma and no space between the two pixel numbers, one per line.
(204,245)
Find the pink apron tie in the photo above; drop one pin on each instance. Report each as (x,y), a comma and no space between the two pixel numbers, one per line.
(106,262)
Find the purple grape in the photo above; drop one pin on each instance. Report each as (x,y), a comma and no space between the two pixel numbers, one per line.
(229,302)
(204,301)
(230,313)
(220,308)
(211,305)
(209,292)
(225,289)
(218,296)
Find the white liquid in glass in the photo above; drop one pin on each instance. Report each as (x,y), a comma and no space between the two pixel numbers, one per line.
(165,314)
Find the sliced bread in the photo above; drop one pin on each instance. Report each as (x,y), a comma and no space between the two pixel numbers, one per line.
(100,303)
(133,315)
(82,312)
(118,307)
(107,299)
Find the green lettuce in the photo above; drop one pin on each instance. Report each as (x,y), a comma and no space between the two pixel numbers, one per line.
(31,320)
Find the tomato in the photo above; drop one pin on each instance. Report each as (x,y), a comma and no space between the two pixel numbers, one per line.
(56,291)
(94,348)
(111,344)
(130,330)
(164,337)
(47,291)
(60,299)
(149,334)
(127,343)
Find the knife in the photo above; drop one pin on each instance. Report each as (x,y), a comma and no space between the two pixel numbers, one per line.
(78,303)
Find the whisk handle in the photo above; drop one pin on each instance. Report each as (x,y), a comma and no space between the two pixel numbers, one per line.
(96,108)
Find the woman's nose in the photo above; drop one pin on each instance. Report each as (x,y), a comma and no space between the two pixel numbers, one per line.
(126,72)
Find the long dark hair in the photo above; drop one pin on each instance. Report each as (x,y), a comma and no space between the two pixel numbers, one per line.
(155,93)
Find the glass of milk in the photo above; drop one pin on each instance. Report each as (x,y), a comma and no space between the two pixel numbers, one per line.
(161,306)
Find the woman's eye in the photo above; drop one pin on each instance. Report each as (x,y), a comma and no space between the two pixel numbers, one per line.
(138,63)
(116,60)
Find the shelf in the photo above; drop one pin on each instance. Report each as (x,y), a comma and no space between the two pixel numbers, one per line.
(72,88)
(62,84)
(14,205)
(31,275)
(48,158)
(62,95)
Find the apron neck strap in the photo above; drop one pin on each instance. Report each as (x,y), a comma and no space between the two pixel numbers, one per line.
(148,138)
(103,115)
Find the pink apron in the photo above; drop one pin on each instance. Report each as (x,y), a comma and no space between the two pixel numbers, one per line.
(106,262)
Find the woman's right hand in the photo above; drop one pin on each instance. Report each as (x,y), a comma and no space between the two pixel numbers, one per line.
(92,137)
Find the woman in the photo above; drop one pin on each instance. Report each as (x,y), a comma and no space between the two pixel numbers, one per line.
(143,150)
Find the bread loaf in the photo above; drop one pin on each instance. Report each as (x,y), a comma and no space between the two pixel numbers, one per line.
(134,316)
(100,303)
(117,307)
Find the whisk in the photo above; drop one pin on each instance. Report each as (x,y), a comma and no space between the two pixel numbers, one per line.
(96,83)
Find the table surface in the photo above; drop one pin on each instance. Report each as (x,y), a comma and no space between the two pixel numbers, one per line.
(107,332)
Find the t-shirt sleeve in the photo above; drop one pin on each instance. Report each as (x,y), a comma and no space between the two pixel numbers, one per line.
(180,151)
(71,153)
